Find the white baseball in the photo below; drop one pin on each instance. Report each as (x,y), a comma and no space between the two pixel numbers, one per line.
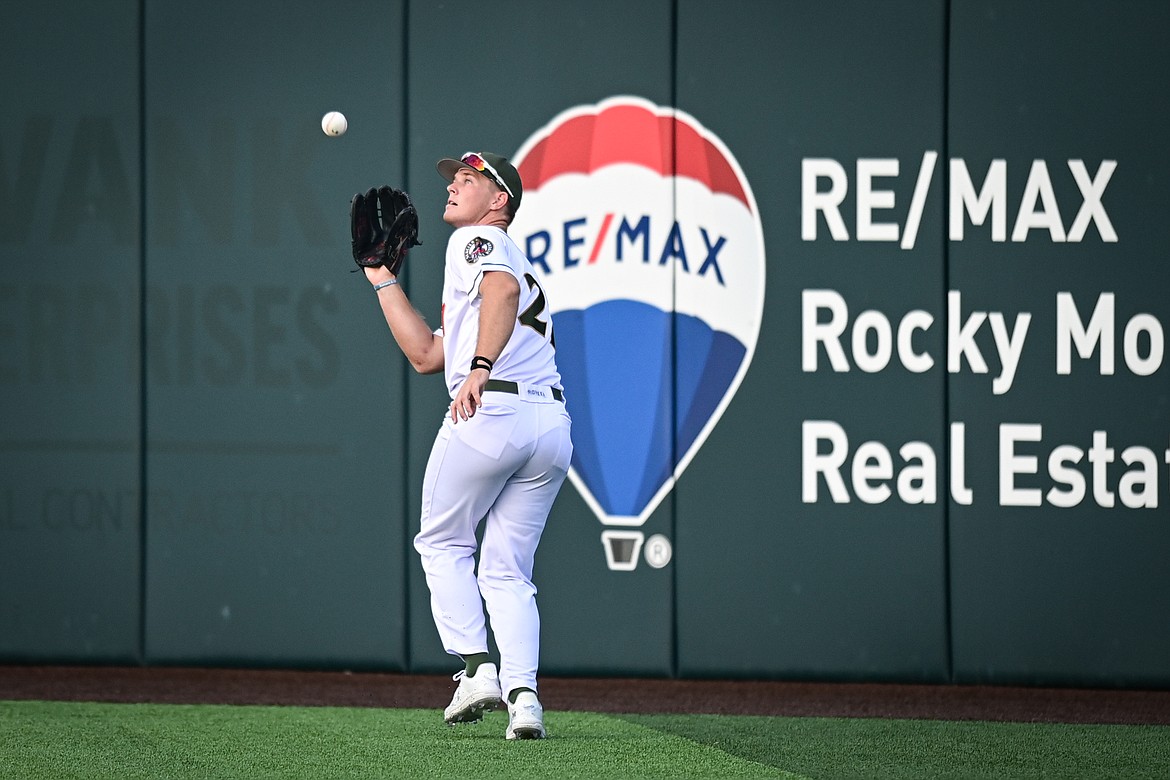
(334,123)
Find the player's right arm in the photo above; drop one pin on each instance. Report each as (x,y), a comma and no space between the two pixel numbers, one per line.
(421,346)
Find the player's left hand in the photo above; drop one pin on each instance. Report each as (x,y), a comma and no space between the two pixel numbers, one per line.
(384,226)
(468,399)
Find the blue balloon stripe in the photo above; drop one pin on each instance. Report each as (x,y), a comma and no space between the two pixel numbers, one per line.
(661,464)
(615,361)
(579,400)
(716,358)
(693,340)
(628,370)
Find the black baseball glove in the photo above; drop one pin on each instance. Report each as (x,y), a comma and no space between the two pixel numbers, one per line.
(384,225)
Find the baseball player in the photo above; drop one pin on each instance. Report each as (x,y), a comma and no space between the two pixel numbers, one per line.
(503,449)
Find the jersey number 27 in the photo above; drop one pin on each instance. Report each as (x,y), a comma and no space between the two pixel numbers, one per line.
(530,317)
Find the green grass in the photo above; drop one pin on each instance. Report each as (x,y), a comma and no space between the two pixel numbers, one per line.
(89,740)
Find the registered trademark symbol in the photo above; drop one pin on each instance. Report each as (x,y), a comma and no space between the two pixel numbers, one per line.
(658,551)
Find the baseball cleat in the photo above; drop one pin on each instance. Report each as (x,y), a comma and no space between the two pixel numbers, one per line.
(526,717)
(474,696)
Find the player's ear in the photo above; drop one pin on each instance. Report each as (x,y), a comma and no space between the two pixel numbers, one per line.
(499,201)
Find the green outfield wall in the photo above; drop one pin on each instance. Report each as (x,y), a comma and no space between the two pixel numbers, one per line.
(904,415)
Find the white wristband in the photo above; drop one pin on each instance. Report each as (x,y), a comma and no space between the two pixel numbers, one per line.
(386,283)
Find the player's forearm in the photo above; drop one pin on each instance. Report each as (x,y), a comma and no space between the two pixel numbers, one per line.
(421,346)
(497,313)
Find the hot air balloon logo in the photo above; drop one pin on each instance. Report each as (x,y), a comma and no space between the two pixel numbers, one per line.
(646,236)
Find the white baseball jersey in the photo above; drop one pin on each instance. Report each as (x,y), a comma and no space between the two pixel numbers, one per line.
(529,356)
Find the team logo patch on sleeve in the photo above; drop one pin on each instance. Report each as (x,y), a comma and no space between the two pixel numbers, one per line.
(477,248)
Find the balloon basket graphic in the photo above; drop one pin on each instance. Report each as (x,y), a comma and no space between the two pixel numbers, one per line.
(623,547)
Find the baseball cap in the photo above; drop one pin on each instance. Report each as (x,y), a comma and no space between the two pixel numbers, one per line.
(495,167)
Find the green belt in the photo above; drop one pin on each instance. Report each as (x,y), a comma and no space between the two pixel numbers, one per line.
(504,386)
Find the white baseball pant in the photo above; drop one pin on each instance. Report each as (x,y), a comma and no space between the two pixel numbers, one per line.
(505,466)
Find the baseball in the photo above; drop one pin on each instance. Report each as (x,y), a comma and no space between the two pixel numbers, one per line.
(334,123)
